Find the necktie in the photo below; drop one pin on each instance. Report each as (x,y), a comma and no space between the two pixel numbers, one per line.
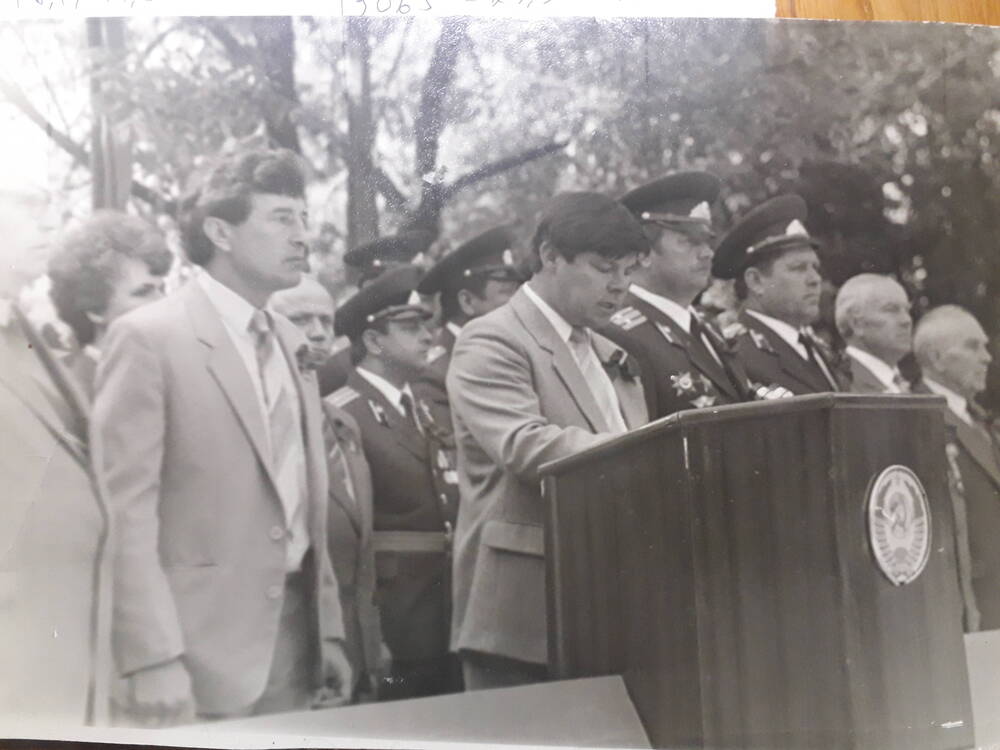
(812,349)
(408,409)
(280,409)
(597,379)
(699,332)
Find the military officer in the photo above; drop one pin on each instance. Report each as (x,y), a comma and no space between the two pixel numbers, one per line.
(773,259)
(362,264)
(414,485)
(478,276)
(684,360)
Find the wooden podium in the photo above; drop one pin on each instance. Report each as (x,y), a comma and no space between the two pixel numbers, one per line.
(721,561)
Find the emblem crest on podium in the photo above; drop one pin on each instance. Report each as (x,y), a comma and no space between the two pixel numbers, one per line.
(899,524)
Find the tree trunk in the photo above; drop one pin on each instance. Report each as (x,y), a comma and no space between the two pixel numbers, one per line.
(362,212)
(111,148)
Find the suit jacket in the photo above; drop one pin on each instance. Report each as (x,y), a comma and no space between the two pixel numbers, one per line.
(769,360)
(409,494)
(349,537)
(332,374)
(973,453)
(518,401)
(56,545)
(863,380)
(678,370)
(201,566)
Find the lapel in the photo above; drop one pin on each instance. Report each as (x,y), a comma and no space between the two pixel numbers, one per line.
(19,375)
(863,380)
(693,349)
(977,445)
(447,339)
(403,431)
(306,388)
(565,366)
(227,367)
(343,436)
(631,398)
(785,356)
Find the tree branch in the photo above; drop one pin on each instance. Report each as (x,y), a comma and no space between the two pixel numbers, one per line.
(80,154)
(394,198)
(493,168)
(430,119)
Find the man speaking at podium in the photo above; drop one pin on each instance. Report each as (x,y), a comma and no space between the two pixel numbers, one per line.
(531,382)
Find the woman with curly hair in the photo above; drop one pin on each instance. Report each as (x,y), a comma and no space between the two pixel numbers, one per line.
(110,264)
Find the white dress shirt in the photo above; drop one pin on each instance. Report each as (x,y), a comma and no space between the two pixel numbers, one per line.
(236,313)
(600,384)
(677,313)
(454,327)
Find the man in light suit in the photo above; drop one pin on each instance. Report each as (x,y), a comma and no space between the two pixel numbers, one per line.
(349,523)
(225,600)
(952,350)
(55,531)
(528,385)
(872,314)
(773,259)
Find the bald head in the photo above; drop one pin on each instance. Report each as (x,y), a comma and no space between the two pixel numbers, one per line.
(873,314)
(309,306)
(953,349)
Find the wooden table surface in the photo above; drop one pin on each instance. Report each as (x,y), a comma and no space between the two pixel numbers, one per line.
(956,11)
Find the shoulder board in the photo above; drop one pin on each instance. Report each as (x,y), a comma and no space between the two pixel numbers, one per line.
(628,318)
(435,353)
(343,396)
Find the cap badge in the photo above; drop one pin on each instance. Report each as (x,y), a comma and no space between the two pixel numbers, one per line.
(418,259)
(413,299)
(701,211)
(508,257)
(796,227)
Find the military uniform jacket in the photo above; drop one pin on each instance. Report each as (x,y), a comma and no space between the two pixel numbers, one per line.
(678,371)
(769,360)
(349,538)
(432,390)
(973,456)
(412,491)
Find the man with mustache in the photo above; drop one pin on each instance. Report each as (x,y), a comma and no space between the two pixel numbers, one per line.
(873,317)
(226,603)
(773,259)
(414,490)
(684,361)
(953,353)
(527,386)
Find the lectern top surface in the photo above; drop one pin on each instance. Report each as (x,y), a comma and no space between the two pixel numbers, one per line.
(751,410)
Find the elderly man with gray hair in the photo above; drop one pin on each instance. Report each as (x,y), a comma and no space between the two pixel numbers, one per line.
(872,313)
(952,350)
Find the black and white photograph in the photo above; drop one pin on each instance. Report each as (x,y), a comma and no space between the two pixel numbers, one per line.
(400,377)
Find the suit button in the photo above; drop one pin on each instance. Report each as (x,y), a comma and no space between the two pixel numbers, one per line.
(274,592)
(276,533)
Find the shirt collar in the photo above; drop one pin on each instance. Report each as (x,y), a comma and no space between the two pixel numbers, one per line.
(235,311)
(678,313)
(563,329)
(956,403)
(392,394)
(789,333)
(454,327)
(881,369)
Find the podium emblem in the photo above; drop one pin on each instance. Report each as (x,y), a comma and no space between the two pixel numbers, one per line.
(899,524)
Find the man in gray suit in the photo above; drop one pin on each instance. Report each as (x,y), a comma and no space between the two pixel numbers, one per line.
(873,316)
(226,603)
(531,382)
